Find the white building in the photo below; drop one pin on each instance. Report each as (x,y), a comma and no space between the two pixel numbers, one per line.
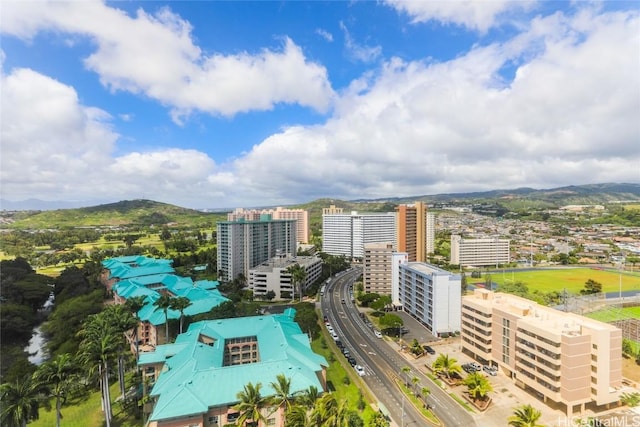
(243,245)
(431,295)
(431,233)
(346,234)
(479,252)
(272,275)
(301,217)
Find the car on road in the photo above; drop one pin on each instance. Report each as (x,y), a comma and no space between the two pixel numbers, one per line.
(491,370)
(377,334)
(360,370)
(343,301)
(352,361)
(429,349)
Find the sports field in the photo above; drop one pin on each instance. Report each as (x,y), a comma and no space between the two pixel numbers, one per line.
(571,279)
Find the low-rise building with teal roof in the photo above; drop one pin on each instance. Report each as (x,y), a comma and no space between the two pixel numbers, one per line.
(202,294)
(130,267)
(196,380)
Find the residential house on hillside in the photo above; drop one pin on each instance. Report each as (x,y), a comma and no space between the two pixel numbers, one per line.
(196,380)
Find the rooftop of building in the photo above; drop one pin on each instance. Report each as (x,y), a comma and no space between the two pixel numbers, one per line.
(203,295)
(286,262)
(427,268)
(194,377)
(530,312)
(127,267)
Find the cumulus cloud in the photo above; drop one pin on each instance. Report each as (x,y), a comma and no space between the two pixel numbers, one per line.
(568,116)
(155,55)
(55,148)
(476,15)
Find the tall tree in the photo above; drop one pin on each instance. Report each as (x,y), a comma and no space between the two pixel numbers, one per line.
(135,304)
(297,416)
(180,304)
(282,387)
(98,346)
(298,275)
(58,375)
(20,402)
(250,405)
(123,322)
(164,303)
(328,412)
(525,416)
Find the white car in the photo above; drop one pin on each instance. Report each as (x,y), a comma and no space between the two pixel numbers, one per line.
(377,334)
(360,370)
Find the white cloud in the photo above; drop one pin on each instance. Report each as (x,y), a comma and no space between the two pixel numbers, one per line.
(155,55)
(477,15)
(359,52)
(569,116)
(324,34)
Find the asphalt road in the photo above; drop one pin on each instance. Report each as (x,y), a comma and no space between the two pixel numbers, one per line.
(382,363)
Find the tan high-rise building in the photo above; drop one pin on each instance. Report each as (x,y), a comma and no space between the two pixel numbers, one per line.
(332,210)
(411,230)
(301,217)
(376,268)
(562,357)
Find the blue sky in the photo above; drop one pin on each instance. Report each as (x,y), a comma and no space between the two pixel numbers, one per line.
(240,104)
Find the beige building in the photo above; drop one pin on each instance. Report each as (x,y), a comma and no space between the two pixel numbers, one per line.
(273,276)
(562,357)
(301,217)
(376,268)
(478,252)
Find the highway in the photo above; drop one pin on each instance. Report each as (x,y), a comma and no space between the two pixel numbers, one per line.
(382,362)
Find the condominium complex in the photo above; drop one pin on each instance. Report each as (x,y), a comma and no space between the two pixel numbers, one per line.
(563,357)
(412,230)
(273,275)
(479,252)
(431,233)
(301,217)
(376,268)
(243,245)
(346,234)
(431,295)
(196,380)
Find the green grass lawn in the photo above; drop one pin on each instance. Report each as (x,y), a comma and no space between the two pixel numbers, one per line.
(87,413)
(571,279)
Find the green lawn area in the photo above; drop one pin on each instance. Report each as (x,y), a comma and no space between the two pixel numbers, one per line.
(336,374)
(87,412)
(573,279)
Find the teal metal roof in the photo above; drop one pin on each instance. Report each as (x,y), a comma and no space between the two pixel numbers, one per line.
(194,378)
(136,266)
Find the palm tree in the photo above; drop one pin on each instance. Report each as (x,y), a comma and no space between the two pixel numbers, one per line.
(99,343)
(425,394)
(135,304)
(123,321)
(298,274)
(20,402)
(329,413)
(282,387)
(478,385)
(180,304)
(525,416)
(415,380)
(164,303)
(446,365)
(309,396)
(58,374)
(251,404)
(378,420)
(406,370)
(297,416)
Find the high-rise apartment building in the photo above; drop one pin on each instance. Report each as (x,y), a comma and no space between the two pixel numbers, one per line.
(412,230)
(301,217)
(563,357)
(431,295)
(376,268)
(244,244)
(346,234)
(431,233)
(479,252)
(331,210)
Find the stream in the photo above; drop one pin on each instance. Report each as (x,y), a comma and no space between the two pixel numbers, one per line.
(36,348)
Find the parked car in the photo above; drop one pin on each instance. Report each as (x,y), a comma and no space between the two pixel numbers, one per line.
(429,349)
(476,366)
(352,361)
(377,334)
(491,370)
(360,370)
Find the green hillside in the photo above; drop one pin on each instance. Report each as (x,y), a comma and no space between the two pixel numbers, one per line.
(127,212)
